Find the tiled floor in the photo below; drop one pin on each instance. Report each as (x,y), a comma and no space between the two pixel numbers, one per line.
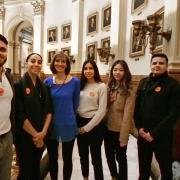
(132,163)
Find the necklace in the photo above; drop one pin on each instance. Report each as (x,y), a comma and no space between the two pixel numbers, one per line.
(59,81)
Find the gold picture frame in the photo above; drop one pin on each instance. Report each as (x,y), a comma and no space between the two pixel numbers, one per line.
(92,23)
(138,5)
(66,32)
(136,46)
(52,35)
(159,43)
(50,55)
(91,51)
(105,44)
(66,50)
(106,17)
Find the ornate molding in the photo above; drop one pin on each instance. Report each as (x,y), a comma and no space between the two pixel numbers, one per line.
(38,7)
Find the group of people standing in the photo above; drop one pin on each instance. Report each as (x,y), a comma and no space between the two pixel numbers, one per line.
(63,108)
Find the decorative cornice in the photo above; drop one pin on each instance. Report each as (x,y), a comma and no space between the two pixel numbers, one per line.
(38,7)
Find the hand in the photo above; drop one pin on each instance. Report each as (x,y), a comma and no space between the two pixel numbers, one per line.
(148,137)
(39,136)
(39,144)
(122,144)
(82,130)
(142,133)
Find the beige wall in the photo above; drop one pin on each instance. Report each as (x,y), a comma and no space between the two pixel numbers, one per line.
(67,11)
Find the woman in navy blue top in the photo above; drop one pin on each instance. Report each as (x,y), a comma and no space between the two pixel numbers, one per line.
(65,91)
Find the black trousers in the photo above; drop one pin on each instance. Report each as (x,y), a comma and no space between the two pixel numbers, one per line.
(29,158)
(115,153)
(163,153)
(67,150)
(93,141)
(52,148)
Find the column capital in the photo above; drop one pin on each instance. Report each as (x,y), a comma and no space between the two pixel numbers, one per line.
(38,7)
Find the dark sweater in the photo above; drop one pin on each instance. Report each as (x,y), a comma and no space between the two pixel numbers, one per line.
(32,103)
(157,105)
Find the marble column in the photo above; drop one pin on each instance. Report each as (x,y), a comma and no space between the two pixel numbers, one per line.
(118,29)
(172,22)
(38,7)
(77,33)
(2,15)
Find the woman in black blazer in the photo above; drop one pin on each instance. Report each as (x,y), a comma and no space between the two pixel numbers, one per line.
(32,119)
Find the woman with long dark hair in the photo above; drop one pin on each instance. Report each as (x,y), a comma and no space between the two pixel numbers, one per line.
(119,117)
(32,119)
(91,110)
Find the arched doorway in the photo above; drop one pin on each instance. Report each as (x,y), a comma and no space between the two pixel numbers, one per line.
(20,37)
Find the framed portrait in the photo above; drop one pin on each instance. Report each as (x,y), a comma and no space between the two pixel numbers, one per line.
(92,23)
(66,50)
(91,51)
(138,5)
(159,40)
(136,45)
(52,35)
(66,32)
(105,44)
(50,55)
(106,17)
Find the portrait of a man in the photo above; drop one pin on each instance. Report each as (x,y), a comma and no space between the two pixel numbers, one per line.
(92,23)
(105,45)
(137,46)
(159,39)
(138,5)
(161,24)
(66,32)
(66,51)
(51,54)
(91,51)
(52,35)
(106,17)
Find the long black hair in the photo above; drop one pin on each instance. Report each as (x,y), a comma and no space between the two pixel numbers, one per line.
(125,82)
(97,77)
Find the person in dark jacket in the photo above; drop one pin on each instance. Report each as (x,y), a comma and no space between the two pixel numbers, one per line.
(6,113)
(32,118)
(156,111)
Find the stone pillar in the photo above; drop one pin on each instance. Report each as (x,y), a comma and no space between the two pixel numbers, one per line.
(118,28)
(172,48)
(38,7)
(2,14)
(77,33)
